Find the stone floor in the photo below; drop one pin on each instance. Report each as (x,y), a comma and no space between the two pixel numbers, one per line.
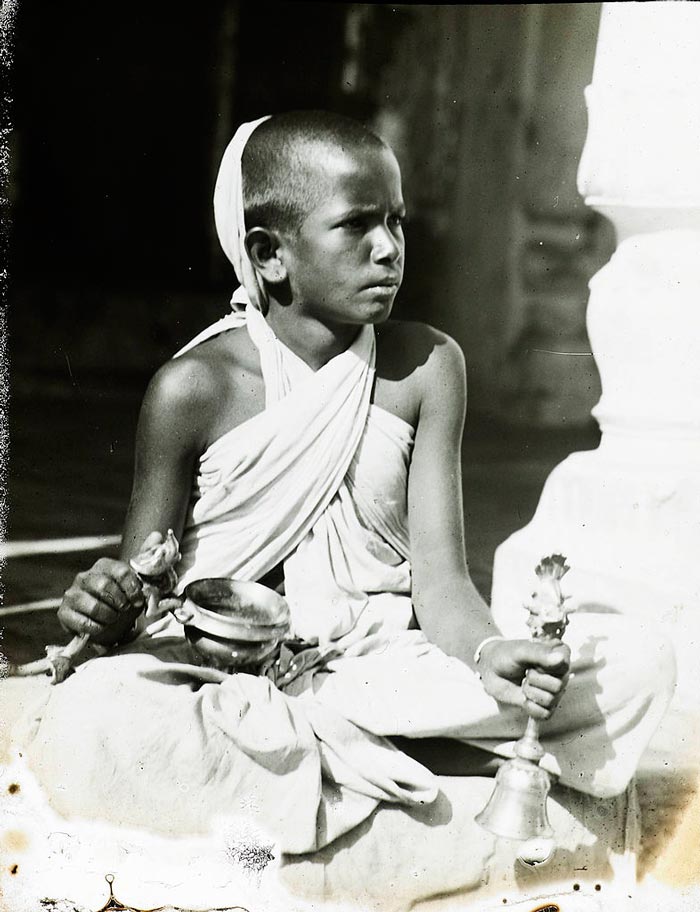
(70,473)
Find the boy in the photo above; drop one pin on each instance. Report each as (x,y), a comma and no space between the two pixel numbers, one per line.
(318,432)
(331,263)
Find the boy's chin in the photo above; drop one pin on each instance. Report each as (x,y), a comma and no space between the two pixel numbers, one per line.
(381,318)
(367,315)
(379,312)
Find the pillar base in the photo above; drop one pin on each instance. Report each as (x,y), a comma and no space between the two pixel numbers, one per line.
(631,534)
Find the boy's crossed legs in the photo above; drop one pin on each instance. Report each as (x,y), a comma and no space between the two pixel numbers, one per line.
(622,680)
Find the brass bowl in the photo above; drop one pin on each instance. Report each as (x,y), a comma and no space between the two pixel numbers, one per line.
(232,624)
(229,655)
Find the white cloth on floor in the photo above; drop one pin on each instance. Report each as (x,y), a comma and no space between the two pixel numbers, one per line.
(318,480)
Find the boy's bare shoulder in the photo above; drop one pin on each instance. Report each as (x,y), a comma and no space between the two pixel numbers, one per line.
(190,388)
(405,347)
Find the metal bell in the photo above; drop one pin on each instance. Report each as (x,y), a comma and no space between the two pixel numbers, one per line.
(517,808)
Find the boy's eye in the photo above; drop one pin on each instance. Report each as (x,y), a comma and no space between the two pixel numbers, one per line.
(363,223)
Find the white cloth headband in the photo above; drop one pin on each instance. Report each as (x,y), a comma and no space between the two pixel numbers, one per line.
(229,217)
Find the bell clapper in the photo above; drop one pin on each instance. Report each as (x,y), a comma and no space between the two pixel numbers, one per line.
(536,852)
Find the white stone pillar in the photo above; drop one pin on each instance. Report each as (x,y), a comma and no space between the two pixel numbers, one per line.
(627,515)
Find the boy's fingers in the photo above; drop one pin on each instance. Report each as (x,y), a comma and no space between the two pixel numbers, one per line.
(84,604)
(104,589)
(542,697)
(543,681)
(551,657)
(559,658)
(504,691)
(77,622)
(537,711)
(121,573)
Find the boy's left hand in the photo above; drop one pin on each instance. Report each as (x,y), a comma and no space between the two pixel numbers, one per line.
(527,673)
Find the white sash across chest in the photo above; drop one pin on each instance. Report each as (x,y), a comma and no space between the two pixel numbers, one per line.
(263,486)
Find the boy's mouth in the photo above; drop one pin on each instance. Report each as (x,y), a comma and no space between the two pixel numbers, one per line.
(391,282)
(382,291)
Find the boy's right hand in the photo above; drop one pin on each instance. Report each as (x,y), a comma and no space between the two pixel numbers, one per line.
(529,673)
(103,602)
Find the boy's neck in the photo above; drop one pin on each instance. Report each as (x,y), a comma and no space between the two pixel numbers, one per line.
(314,342)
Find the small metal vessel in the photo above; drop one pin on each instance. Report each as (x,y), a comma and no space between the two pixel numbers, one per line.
(233,625)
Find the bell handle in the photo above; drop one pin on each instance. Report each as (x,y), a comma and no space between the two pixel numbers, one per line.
(529,747)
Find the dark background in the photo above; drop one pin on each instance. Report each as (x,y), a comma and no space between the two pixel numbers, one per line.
(115,115)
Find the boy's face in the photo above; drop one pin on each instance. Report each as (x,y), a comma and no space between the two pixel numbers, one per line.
(345,264)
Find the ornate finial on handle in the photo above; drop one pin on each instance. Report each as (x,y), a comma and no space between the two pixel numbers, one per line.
(549,616)
(155,565)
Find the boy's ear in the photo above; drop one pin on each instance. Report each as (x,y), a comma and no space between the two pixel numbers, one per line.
(263,247)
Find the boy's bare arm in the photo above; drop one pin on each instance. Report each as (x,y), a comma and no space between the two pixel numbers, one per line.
(448,607)
(105,600)
(171,435)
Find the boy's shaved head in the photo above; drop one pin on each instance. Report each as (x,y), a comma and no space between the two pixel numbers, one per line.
(283,162)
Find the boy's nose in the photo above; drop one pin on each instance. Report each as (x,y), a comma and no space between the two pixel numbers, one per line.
(386,247)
